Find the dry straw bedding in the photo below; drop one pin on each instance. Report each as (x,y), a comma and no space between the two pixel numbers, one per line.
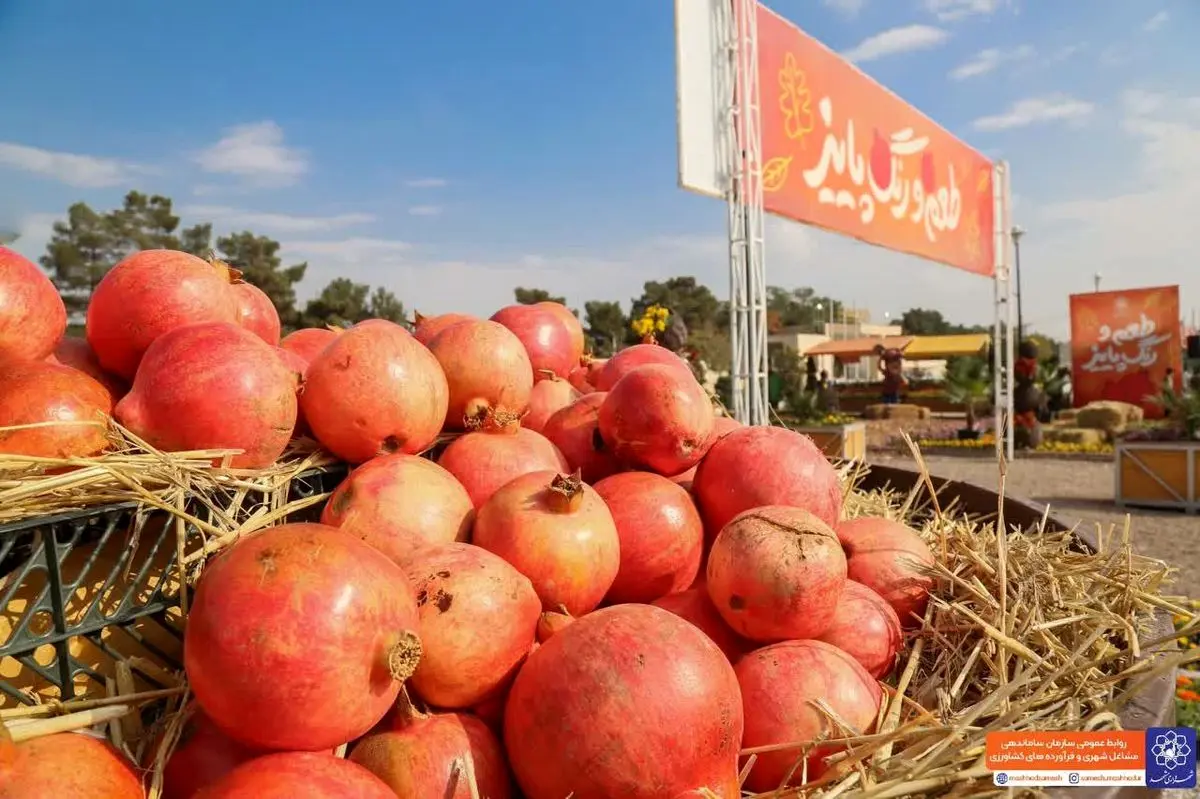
(1025,632)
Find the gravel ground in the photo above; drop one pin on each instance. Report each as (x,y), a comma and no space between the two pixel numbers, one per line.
(1084,491)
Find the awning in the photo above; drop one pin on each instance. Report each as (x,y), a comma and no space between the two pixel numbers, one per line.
(851,348)
(933,348)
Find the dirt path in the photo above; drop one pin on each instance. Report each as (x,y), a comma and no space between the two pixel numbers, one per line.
(1083,490)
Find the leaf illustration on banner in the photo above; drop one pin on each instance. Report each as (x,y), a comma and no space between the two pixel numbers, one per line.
(794,99)
(775,172)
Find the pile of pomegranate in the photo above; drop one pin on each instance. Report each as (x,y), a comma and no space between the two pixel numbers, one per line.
(600,588)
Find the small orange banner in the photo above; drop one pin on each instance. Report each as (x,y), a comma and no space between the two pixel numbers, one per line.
(1077,751)
(843,153)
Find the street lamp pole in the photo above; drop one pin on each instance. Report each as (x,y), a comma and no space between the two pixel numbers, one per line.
(1017,233)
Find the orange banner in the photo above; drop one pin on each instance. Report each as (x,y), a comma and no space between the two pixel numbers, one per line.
(843,153)
(1118,750)
(1123,343)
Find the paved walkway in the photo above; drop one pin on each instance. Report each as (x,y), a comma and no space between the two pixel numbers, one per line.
(1083,490)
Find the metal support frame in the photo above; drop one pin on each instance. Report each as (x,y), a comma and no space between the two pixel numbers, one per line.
(1003,342)
(747,268)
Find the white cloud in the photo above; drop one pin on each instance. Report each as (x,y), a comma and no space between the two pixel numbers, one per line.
(425,183)
(1155,22)
(425,210)
(952,10)
(894,41)
(82,171)
(847,8)
(255,153)
(226,216)
(1036,110)
(989,60)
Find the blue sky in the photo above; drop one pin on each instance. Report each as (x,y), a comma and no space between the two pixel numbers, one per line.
(454,150)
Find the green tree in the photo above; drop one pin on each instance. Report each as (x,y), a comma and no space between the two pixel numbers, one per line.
(695,302)
(258,259)
(802,308)
(605,325)
(385,305)
(526,296)
(344,302)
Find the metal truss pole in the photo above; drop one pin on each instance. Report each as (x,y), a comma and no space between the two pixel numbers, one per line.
(1003,345)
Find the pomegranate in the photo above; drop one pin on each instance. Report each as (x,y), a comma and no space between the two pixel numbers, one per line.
(37,393)
(497,450)
(398,503)
(32,316)
(631,358)
(893,561)
(298,775)
(71,764)
(203,755)
(781,685)
(775,573)
(578,378)
(486,366)
(694,606)
(549,396)
(550,623)
(374,390)
(275,678)
(557,531)
(478,616)
(722,426)
(426,328)
(571,323)
(424,756)
(257,313)
(75,353)
(755,466)
(575,430)
(213,386)
(546,339)
(658,418)
(671,719)
(8,756)
(294,363)
(662,537)
(151,293)
(866,628)
(308,342)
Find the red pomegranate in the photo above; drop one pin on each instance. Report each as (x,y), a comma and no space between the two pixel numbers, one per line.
(75,353)
(426,328)
(151,293)
(781,685)
(694,606)
(549,396)
(722,426)
(308,342)
(775,573)
(486,366)
(551,622)
(557,531)
(257,313)
(35,393)
(671,720)
(202,756)
(32,316)
(479,617)
(294,363)
(571,322)
(8,756)
(658,418)
(578,378)
(424,756)
(546,339)
(375,390)
(496,451)
(866,628)
(893,561)
(662,537)
(213,386)
(755,466)
(399,503)
(298,775)
(278,678)
(631,358)
(68,765)
(575,430)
